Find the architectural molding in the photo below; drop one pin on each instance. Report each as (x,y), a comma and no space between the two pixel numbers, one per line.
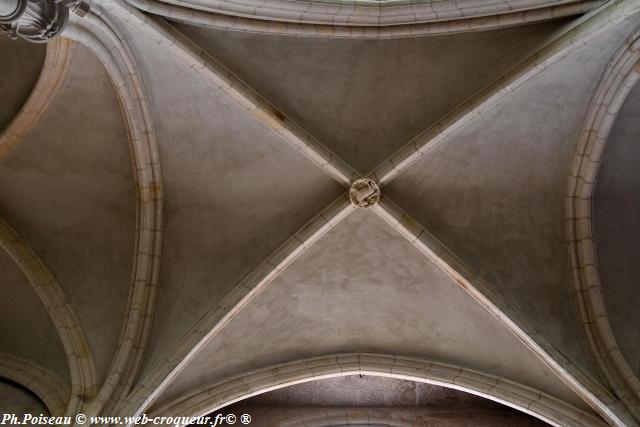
(364,193)
(54,70)
(62,312)
(364,20)
(588,389)
(620,76)
(252,102)
(379,417)
(347,416)
(42,381)
(233,303)
(38,21)
(573,38)
(343,417)
(523,398)
(97,32)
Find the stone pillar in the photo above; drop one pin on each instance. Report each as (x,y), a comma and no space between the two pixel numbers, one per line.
(37,21)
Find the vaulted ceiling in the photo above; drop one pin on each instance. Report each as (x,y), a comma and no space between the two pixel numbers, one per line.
(179,229)
(364,400)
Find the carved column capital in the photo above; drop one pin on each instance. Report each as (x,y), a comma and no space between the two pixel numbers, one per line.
(37,21)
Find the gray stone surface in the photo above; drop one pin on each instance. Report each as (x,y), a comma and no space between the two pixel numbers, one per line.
(494,193)
(366,99)
(21,65)
(233,193)
(370,391)
(379,417)
(17,400)
(68,189)
(25,326)
(424,404)
(352,293)
(617,228)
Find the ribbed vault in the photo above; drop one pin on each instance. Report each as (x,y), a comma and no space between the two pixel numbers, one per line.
(500,182)
(617,234)
(81,223)
(178,225)
(343,91)
(338,287)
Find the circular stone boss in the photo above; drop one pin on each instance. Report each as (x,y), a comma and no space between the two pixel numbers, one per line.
(364,193)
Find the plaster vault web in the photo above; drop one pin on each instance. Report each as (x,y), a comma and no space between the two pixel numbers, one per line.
(243,121)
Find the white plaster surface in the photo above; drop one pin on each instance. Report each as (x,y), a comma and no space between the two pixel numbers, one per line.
(366,99)
(233,193)
(494,193)
(326,303)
